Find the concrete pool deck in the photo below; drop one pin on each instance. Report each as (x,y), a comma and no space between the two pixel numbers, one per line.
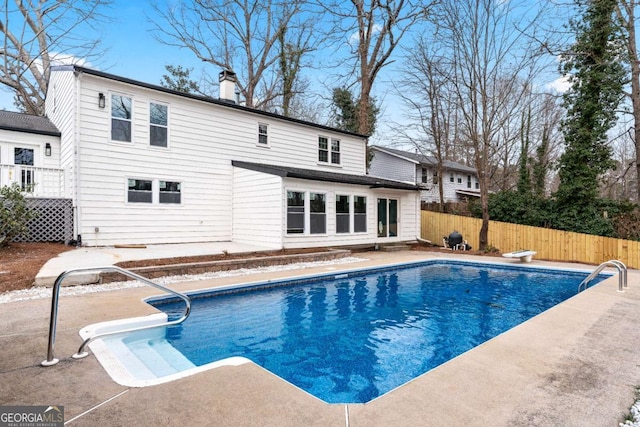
(577,364)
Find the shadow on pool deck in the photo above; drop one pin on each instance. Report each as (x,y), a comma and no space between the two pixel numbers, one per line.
(575,365)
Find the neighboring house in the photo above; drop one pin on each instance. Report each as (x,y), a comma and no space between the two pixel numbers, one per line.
(459,182)
(145,164)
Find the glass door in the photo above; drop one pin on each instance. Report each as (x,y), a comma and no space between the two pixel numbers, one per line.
(387,217)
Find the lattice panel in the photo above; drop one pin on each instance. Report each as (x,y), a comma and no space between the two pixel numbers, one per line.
(54,222)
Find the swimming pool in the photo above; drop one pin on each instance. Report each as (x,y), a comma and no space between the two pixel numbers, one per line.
(352,337)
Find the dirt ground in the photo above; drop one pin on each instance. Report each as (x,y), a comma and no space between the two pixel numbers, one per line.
(21,262)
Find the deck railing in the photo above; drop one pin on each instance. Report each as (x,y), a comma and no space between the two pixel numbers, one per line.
(37,181)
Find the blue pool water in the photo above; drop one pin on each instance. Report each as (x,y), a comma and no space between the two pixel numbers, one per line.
(353,338)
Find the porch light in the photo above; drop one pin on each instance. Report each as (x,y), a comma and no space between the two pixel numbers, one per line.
(47,149)
(101,100)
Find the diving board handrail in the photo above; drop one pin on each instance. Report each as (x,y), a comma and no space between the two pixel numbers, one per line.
(51,360)
(622,275)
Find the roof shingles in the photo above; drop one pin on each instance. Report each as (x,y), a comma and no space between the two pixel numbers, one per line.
(20,122)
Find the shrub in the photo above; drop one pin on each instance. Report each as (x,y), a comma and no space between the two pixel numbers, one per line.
(14,214)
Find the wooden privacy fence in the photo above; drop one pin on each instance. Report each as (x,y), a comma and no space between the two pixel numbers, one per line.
(550,244)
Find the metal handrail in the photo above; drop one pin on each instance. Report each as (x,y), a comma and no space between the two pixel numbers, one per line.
(622,275)
(81,353)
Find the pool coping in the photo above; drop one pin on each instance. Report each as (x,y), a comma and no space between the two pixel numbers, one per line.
(575,364)
(111,350)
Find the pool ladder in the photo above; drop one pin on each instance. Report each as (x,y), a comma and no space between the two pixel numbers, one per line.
(51,360)
(622,275)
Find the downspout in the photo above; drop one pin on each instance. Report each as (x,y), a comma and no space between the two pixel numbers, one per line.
(76,155)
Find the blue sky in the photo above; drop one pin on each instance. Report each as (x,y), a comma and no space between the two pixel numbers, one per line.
(131,50)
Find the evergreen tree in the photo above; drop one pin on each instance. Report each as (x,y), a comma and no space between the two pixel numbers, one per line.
(346,111)
(179,79)
(597,77)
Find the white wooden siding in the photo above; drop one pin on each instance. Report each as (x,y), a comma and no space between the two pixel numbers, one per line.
(203,140)
(409,223)
(257,208)
(61,110)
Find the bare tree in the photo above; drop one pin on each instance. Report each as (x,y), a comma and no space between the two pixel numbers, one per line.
(626,14)
(374,29)
(493,61)
(38,34)
(431,112)
(242,36)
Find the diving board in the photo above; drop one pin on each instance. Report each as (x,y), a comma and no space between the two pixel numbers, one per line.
(525,255)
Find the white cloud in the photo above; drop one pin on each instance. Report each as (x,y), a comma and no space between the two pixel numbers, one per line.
(355,37)
(559,85)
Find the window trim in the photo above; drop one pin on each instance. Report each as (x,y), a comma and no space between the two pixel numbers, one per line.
(348,214)
(331,153)
(160,202)
(267,143)
(112,118)
(304,213)
(313,214)
(365,213)
(164,104)
(139,203)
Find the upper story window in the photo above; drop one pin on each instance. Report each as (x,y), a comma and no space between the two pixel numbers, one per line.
(158,122)
(335,151)
(425,176)
(170,192)
(477,185)
(451,177)
(459,180)
(23,156)
(263,134)
(468,181)
(323,149)
(328,151)
(120,118)
(435,177)
(140,191)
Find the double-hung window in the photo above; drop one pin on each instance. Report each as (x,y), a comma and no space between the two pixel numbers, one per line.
(335,152)
(170,192)
(425,176)
(359,214)
(318,218)
(140,191)
(295,212)
(158,124)
(328,151)
(468,181)
(342,214)
(120,118)
(451,178)
(323,149)
(263,134)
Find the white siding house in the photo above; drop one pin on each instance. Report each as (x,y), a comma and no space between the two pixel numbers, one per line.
(459,182)
(145,164)
(29,155)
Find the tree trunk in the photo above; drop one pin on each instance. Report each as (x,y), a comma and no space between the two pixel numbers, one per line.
(635,92)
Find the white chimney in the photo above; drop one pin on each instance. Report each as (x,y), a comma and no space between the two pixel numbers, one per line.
(228,85)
